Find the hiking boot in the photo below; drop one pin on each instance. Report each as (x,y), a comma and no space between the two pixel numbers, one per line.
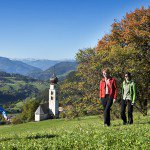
(124,123)
(106,125)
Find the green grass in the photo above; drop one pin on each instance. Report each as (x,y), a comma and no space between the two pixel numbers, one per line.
(82,133)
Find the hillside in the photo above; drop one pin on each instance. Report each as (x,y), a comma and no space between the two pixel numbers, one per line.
(82,133)
(60,69)
(13,66)
(17,87)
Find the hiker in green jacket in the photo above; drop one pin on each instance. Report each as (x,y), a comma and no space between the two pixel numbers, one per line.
(129,95)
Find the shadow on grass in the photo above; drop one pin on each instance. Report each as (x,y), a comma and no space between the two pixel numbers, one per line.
(5,139)
(37,136)
(116,125)
(148,122)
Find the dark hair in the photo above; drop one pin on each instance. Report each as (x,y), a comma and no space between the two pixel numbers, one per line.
(129,75)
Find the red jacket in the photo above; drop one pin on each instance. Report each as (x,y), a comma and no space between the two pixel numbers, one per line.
(112,88)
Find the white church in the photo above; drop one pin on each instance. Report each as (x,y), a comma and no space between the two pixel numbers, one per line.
(51,109)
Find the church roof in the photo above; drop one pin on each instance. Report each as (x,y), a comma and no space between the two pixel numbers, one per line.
(42,109)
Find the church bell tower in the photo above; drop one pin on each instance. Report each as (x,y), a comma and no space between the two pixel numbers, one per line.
(53,99)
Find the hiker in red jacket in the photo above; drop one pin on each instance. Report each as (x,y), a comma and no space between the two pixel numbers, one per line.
(108,94)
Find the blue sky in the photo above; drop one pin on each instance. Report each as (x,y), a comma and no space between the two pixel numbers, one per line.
(57,29)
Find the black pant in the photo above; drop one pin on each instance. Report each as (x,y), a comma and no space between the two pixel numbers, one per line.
(124,103)
(107,103)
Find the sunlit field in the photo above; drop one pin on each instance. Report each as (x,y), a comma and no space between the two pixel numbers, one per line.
(82,133)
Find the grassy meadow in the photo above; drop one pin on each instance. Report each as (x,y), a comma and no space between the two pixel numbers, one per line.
(81,133)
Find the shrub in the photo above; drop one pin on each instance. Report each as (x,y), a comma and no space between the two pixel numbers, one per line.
(29,108)
(16,120)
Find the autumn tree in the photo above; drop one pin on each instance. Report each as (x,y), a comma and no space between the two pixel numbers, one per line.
(131,34)
(126,48)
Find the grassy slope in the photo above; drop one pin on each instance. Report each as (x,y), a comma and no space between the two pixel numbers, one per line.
(83,133)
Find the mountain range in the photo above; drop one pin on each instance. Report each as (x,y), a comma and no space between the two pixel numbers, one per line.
(60,69)
(18,67)
(38,69)
(43,64)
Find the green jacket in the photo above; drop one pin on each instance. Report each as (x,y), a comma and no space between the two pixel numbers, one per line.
(132,90)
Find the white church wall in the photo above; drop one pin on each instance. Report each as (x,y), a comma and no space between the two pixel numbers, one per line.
(37,117)
(41,117)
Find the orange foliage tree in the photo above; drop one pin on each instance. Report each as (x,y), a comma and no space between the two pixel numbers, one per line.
(126,48)
(128,44)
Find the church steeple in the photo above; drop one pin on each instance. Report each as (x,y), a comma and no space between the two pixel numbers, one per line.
(53,101)
(53,79)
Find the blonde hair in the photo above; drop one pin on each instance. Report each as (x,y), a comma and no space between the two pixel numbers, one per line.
(108,70)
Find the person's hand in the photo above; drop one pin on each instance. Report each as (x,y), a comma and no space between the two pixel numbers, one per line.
(7,119)
(114,100)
